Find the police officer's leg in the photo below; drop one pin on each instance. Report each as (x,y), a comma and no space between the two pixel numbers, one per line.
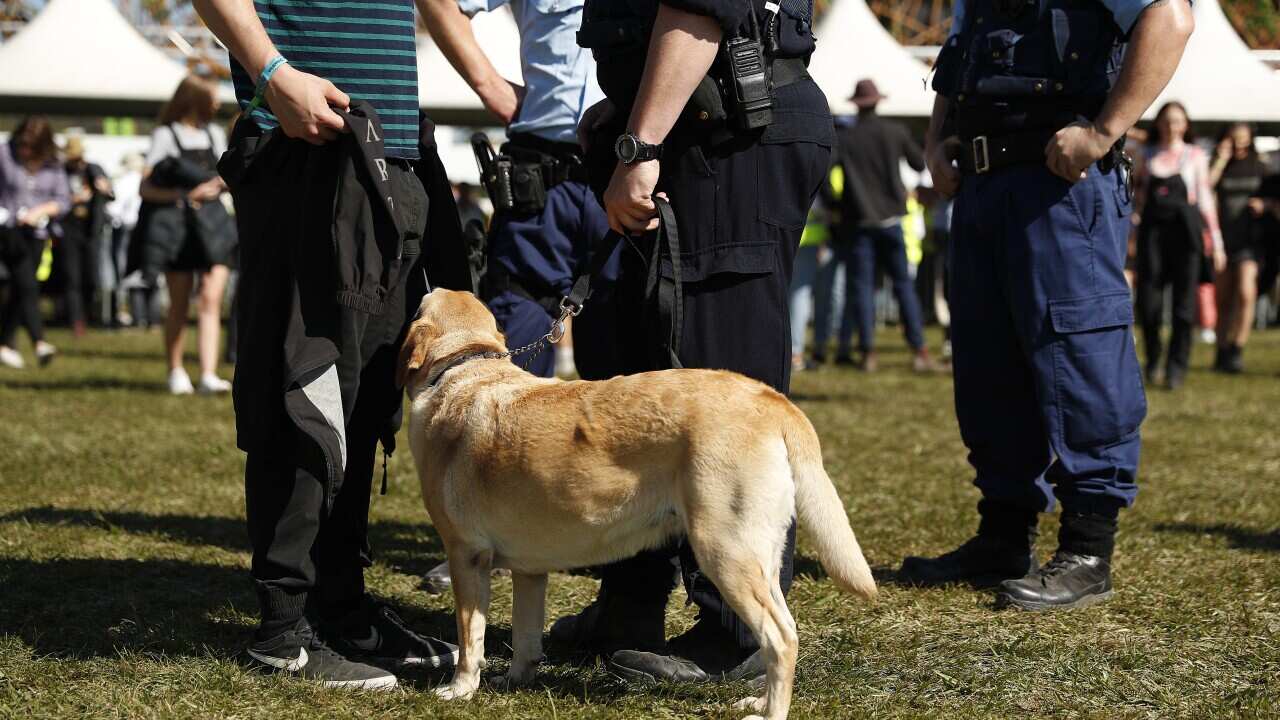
(1074,313)
(629,609)
(995,397)
(596,350)
(735,318)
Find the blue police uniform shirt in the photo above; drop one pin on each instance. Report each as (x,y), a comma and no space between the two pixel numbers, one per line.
(559,76)
(1125,12)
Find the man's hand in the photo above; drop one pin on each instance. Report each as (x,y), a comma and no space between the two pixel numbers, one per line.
(502,98)
(628,201)
(1257,206)
(303,104)
(946,177)
(594,118)
(1074,148)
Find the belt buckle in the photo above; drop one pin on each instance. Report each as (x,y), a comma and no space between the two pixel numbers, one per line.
(981,155)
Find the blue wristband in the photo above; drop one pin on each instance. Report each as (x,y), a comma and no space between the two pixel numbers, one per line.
(260,91)
(272,66)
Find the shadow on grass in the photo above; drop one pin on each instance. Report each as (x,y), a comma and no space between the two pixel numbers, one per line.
(93,383)
(85,608)
(408,548)
(1239,537)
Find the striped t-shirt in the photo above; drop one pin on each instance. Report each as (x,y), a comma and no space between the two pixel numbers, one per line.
(365,47)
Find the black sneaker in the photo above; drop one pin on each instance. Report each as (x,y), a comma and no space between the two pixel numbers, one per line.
(299,652)
(982,561)
(375,633)
(1067,581)
(612,623)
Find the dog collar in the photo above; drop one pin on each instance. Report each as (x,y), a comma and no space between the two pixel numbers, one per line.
(464,359)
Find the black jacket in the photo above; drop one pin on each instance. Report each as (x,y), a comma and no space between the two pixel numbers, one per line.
(332,239)
(869,153)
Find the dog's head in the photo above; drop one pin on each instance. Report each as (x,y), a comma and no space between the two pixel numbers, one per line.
(449,323)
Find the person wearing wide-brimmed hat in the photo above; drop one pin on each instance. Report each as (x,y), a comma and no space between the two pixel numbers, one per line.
(870,234)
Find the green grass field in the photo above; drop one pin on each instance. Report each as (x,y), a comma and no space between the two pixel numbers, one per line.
(124,589)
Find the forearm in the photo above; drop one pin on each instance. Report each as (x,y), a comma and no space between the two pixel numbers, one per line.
(1155,48)
(236,24)
(450,28)
(681,51)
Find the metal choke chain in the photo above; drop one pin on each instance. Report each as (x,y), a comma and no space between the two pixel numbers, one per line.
(553,336)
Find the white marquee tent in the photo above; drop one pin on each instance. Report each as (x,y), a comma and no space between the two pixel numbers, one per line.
(852,45)
(1218,78)
(82,57)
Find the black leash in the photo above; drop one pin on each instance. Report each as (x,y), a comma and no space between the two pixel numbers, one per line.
(670,295)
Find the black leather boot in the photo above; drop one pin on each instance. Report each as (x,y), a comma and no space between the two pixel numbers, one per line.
(706,653)
(614,622)
(1001,550)
(1079,575)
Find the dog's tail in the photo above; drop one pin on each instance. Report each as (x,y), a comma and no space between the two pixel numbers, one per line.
(821,510)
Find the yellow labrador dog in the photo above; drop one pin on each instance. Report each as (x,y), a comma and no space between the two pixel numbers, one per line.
(536,475)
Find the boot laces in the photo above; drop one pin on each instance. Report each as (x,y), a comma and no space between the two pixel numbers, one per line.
(1060,563)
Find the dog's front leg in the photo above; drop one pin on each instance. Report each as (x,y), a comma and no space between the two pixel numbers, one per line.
(528,614)
(470,570)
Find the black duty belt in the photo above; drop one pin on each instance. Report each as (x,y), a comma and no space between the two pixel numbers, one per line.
(988,153)
(984,154)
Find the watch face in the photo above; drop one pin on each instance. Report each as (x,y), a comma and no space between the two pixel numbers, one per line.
(627,148)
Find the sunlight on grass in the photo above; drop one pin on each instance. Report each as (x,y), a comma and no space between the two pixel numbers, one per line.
(124,589)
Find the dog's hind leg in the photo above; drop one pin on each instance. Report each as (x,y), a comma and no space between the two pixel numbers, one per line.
(746,572)
(470,569)
(528,615)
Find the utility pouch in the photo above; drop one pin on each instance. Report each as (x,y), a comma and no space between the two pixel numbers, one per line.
(512,187)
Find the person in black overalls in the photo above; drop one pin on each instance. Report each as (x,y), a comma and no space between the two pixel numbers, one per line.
(1171,250)
(717,295)
(184,230)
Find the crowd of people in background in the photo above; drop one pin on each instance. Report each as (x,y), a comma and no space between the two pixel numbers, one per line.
(1206,233)
(1204,250)
(103,246)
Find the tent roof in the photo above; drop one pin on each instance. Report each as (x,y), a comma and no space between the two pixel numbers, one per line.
(1218,78)
(83,57)
(851,45)
(441,90)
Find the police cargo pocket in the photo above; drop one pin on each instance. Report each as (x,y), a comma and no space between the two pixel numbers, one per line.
(1097,382)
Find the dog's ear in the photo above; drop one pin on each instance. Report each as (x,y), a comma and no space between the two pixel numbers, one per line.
(413,353)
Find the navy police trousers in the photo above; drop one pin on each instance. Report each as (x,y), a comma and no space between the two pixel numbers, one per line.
(1047,385)
(544,252)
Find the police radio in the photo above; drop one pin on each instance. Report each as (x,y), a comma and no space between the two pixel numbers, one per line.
(748,87)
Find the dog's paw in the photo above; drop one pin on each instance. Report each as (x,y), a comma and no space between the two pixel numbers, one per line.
(454,691)
(757,704)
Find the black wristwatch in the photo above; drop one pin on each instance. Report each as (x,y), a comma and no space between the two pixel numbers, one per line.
(631,149)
